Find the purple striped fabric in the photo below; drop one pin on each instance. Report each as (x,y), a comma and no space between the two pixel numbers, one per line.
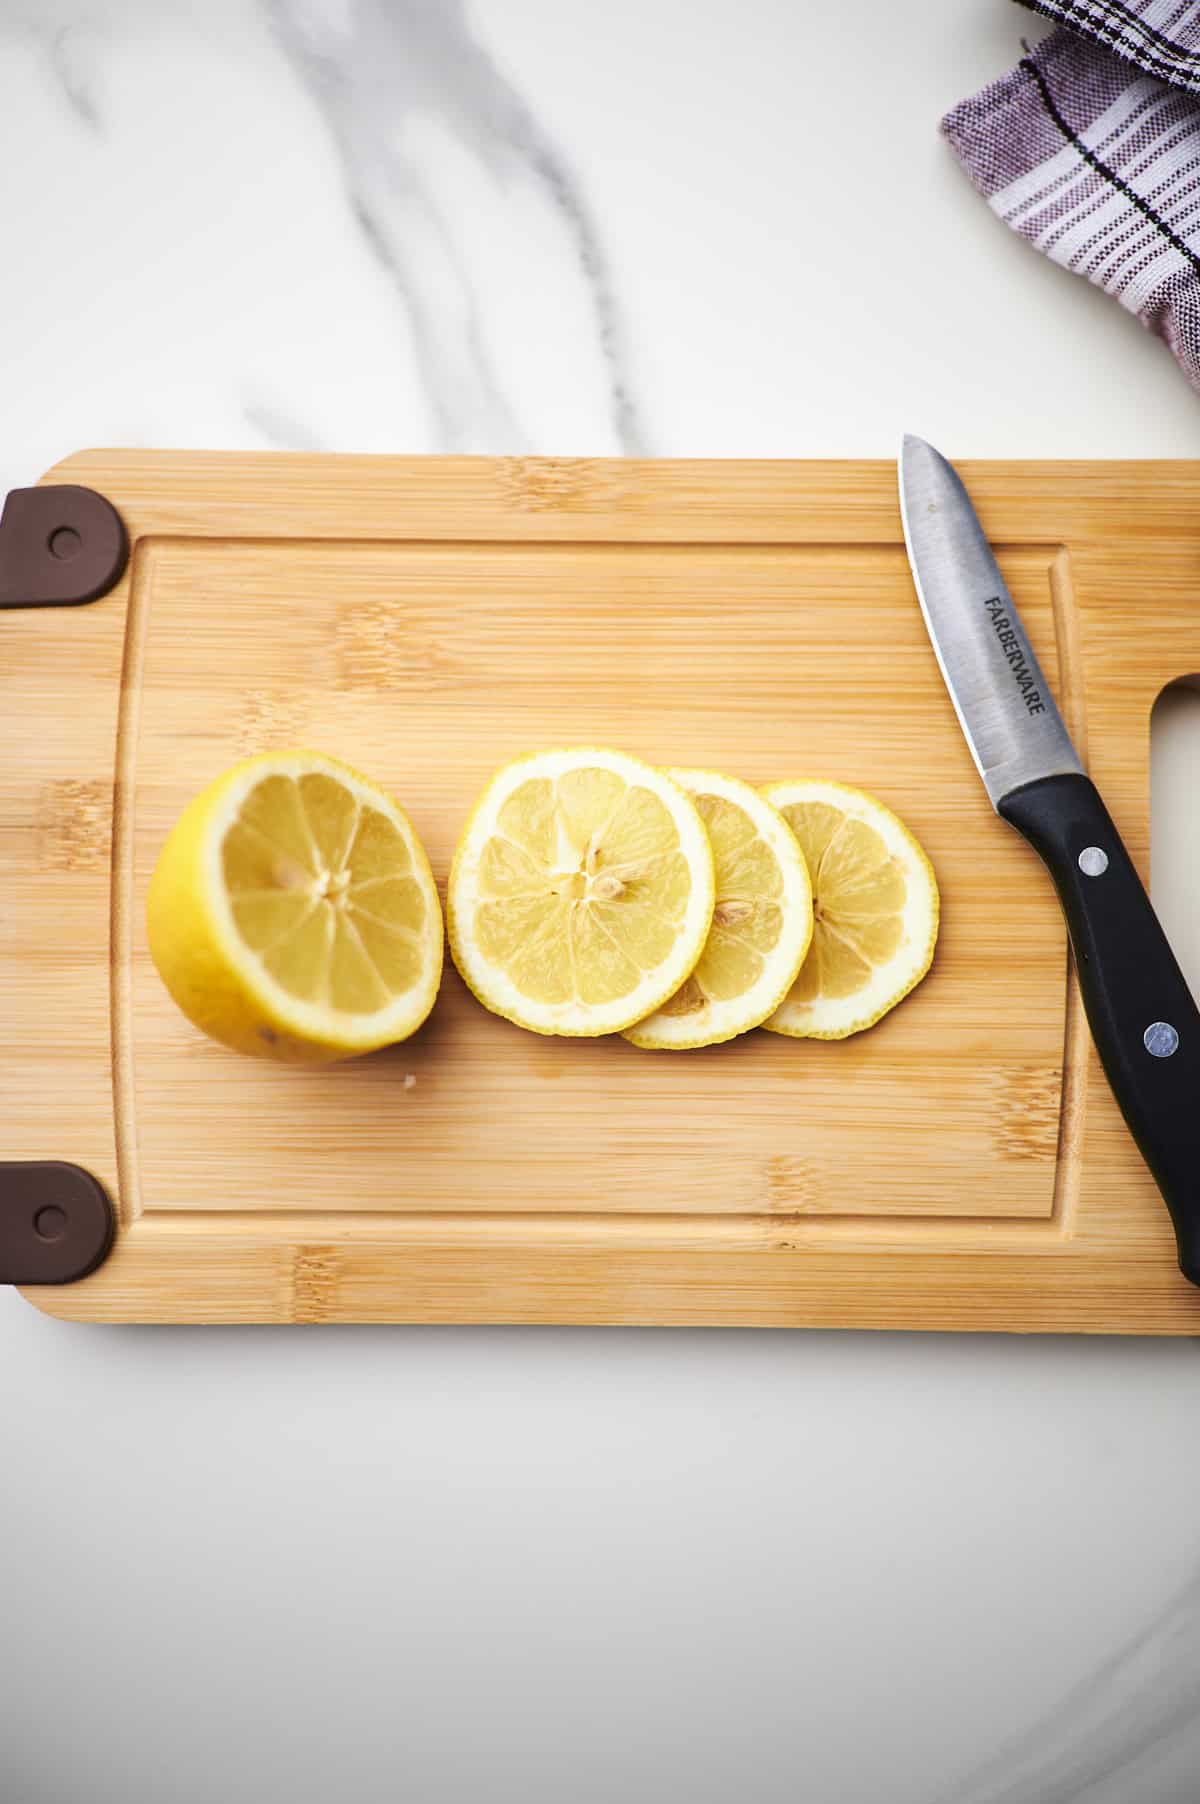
(1096,162)
(1159,37)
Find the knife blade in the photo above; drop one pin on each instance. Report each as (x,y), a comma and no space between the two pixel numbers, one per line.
(1004,704)
(1142,1016)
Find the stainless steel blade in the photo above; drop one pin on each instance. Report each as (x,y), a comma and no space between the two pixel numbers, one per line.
(1000,695)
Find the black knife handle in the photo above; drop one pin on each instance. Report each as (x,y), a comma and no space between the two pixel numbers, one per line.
(1143,1019)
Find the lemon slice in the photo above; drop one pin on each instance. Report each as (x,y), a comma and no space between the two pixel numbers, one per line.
(875,901)
(293,914)
(761,926)
(581,892)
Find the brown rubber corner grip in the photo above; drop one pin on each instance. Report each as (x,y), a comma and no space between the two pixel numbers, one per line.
(59,546)
(56,1222)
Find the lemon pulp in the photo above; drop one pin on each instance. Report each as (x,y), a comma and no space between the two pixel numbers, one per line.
(293,913)
(581,892)
(761,926)
(875,904)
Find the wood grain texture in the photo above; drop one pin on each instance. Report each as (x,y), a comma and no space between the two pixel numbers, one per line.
(962,1165)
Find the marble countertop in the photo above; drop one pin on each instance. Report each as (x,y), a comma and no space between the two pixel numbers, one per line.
(454,1564)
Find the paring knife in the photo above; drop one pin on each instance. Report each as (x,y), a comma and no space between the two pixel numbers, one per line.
(1139,1008)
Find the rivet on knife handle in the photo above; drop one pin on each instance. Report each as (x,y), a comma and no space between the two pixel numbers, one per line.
(1143,1019)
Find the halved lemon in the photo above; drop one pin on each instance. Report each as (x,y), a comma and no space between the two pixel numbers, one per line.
(761,925)
(293,914)
(875,901)
(581,892)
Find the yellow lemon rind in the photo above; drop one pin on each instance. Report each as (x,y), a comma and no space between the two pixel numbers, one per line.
(214,977)
(727,1021)
(576,1020)
(787,1020)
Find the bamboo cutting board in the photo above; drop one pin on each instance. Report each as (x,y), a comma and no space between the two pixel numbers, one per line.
(962,1165)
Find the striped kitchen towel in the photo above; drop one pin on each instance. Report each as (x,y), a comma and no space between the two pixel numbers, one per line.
(1090,149)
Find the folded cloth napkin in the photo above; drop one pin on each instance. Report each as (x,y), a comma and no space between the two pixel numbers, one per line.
(1096,162)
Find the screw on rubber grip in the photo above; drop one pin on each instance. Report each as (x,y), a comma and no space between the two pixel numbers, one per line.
(56,1222)
(60,546)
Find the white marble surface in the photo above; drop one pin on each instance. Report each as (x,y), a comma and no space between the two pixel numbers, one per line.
(503,1565)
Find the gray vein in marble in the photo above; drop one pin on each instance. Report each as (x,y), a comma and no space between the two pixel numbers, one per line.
(280,428)
(376,68)
(72,53)
(571,203)
(1110,1725)
(470,410)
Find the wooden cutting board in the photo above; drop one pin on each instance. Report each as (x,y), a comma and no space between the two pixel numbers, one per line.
(960,1166)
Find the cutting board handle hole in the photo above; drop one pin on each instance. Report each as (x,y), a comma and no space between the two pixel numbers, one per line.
(1175,820)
